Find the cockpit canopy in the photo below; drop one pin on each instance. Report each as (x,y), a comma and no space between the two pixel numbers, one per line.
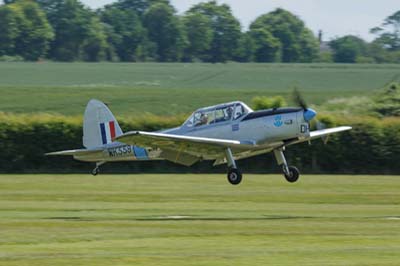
(217,114)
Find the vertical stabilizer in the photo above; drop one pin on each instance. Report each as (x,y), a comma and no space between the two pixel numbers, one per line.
(99,125)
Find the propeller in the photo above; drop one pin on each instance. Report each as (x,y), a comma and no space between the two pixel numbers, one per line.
(309,113)
(299,99)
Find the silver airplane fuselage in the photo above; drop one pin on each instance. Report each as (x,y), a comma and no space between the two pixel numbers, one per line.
(259,129)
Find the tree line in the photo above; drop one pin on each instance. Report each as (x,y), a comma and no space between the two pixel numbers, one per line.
(151,30)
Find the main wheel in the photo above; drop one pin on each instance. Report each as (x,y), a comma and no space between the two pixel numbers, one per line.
(293,174)
(234,176)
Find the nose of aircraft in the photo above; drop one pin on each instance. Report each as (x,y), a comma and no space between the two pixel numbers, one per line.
(309,114)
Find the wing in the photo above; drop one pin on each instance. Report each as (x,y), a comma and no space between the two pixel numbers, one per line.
(319,134)
(181,149)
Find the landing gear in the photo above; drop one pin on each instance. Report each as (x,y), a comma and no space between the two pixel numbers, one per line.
(234,175)
(291,173)
(96,170)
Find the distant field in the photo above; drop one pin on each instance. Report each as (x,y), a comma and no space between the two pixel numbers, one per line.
(175,88)
(198,220)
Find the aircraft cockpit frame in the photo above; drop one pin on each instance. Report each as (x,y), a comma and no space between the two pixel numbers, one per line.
(217,114)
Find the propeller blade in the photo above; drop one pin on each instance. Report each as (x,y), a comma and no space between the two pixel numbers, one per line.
(299,99)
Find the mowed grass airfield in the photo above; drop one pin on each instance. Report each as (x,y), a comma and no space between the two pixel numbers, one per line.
(170,89)
(198,220)
(191,219)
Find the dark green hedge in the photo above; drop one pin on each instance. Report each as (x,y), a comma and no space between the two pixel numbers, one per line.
(373,146)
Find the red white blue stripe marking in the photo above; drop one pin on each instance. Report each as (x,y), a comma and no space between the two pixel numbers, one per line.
(107,132)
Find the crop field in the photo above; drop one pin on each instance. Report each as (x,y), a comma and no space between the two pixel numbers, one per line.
(198,220)
(171,89)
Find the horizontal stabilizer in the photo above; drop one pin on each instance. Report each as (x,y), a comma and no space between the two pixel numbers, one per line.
(81,152)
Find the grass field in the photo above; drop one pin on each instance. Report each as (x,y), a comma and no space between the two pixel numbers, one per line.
(198,220)
(170,89)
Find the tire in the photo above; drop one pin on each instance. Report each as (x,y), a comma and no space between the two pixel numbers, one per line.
(293,175)
(234,177)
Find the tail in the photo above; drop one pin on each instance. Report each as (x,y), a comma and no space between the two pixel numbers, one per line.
(99,126)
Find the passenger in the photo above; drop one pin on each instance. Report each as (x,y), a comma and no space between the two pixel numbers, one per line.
(229,112)
(239,113)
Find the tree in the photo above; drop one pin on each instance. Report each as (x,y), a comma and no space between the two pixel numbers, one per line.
(9,30)
(95,44)
(348,48)
(77,31)
(27,32)
(36,32)
(226,31)
(126,35)
(389,32)
(245,49)
(298,44)
(138,6)
(165,31)
(199,33)
(266,46)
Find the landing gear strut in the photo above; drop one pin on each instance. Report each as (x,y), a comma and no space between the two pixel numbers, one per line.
(291,173)
(96,170)
(234,175)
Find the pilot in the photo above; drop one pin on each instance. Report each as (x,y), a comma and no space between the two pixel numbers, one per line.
(203,120)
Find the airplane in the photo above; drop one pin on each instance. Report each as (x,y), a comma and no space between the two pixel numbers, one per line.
(223,133)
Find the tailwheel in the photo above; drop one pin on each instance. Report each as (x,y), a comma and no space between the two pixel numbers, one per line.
(292,174)
(95,171)
(234,176)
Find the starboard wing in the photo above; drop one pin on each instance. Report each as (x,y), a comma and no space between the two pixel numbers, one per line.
(329,131)
(320,134)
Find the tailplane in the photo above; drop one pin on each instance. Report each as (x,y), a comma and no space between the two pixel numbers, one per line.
(99,125)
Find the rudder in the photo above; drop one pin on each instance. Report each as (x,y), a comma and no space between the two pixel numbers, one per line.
(99,125)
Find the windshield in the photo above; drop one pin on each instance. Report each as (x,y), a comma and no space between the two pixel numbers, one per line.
(201,118)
